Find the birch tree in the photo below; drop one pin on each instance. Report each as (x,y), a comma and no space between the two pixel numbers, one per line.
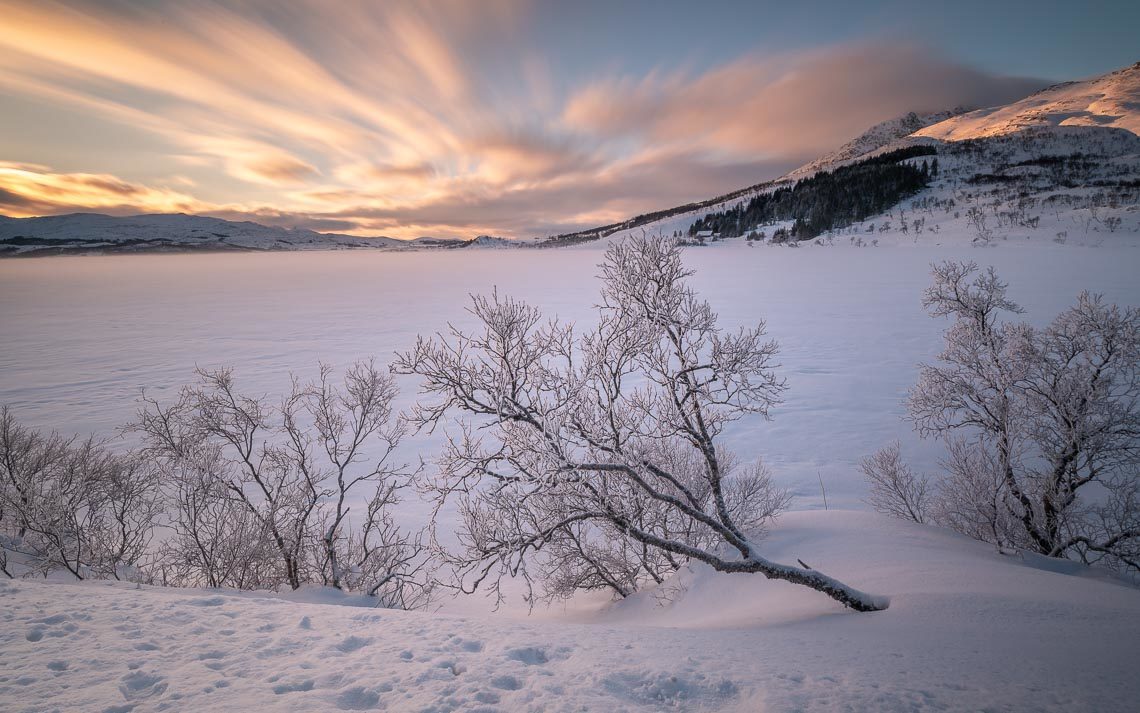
(564,431)
(264,492)
(1042,425)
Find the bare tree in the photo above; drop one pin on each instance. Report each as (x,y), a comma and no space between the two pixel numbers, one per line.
(976,217)
(1045,453)
(132,505)
(215,540)
(594,555)
(571,431)
(27,457)
(72,505)
(244,462)
(257,483)
(896,490)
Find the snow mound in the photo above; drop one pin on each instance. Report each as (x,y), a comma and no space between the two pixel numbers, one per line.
(968,629)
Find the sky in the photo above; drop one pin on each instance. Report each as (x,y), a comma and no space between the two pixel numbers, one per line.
(457,118)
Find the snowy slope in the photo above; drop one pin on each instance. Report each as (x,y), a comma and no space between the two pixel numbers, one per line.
(877,137)
(1108,101)
(967,630)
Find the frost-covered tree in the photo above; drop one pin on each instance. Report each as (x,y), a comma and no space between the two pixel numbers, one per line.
(605,442)
(72,505)
(896,490)
(1042,425)
(263,492)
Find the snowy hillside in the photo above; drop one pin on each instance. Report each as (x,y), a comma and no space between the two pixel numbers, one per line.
(1108,101)
(967,629)
(877,137)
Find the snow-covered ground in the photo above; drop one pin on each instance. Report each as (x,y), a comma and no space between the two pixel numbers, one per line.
(967,630)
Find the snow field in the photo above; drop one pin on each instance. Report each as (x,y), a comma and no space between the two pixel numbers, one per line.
(967,629)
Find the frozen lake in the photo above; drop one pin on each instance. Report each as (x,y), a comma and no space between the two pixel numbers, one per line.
(82,336)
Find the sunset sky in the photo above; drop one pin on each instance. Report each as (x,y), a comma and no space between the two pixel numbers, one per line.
(508,118)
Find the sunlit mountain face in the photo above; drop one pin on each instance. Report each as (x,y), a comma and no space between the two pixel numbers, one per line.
(455,119)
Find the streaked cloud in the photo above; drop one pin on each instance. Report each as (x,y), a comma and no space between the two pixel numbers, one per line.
(791,105)
(27,189)
(403,118)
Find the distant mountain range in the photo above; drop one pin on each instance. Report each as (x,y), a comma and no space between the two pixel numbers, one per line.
(86,233)
(1073,145)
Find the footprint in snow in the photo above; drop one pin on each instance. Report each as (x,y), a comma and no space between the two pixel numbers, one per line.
(529,655)
(454,668)
(352,643)
(358,699)
(206,602)
(506,683)
(140,685)
(294,687)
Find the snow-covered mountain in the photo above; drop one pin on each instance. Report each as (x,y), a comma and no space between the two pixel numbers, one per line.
(93,232)
(1109,101)
(88,233)
(1062,165)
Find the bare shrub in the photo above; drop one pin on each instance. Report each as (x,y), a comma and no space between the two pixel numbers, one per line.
(71,505)
(896,490)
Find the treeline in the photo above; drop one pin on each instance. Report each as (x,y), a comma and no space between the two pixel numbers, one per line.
(830,199)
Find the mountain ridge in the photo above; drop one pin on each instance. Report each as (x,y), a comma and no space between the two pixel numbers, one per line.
(87,233)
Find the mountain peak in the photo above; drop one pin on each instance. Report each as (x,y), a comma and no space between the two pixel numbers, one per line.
(1109,101)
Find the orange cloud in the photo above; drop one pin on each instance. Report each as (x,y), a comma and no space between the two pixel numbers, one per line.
(28,190)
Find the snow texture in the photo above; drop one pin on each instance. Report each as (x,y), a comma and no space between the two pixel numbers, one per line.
(968,629)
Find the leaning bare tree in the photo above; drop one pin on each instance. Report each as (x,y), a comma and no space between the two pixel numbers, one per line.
(263,492)
(1042,425)
(584,433)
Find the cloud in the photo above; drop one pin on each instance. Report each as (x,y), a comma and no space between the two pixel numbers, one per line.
(382,117)
(793,105)
(27,190)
